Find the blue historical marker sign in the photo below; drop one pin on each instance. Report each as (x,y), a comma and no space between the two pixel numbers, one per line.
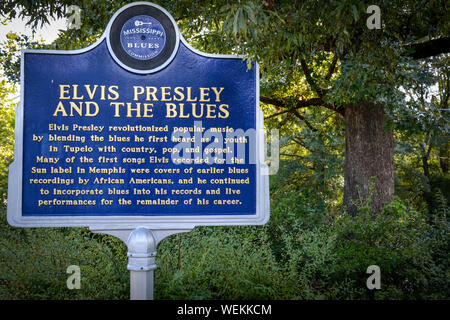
(138,129)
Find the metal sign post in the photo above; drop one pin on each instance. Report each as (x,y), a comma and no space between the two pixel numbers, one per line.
(141,263)
(142,243)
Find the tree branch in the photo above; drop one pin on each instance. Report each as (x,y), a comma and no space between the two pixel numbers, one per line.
(298,141)
(283,122)
(290,155)
(272,101)
(300,104)
(308,77)
(332,67)
(304,120)
(430,48)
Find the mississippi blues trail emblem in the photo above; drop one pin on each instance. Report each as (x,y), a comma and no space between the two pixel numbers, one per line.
(143,37)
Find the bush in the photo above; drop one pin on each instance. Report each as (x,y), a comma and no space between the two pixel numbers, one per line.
(218,263)
(34,263)
(401,243)
(306,251)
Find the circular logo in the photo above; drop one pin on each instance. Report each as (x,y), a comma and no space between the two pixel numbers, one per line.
(143,37)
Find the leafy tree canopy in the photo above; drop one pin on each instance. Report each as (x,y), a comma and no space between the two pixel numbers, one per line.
(299,44)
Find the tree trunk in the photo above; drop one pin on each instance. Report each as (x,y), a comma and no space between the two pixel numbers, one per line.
(444,156)
(428,187)
(369,157)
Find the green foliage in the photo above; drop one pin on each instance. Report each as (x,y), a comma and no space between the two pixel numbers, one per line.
(398,241)
(306,258)
(218,263)
(10,52)
(7,112)
(422,144)
(34,263)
